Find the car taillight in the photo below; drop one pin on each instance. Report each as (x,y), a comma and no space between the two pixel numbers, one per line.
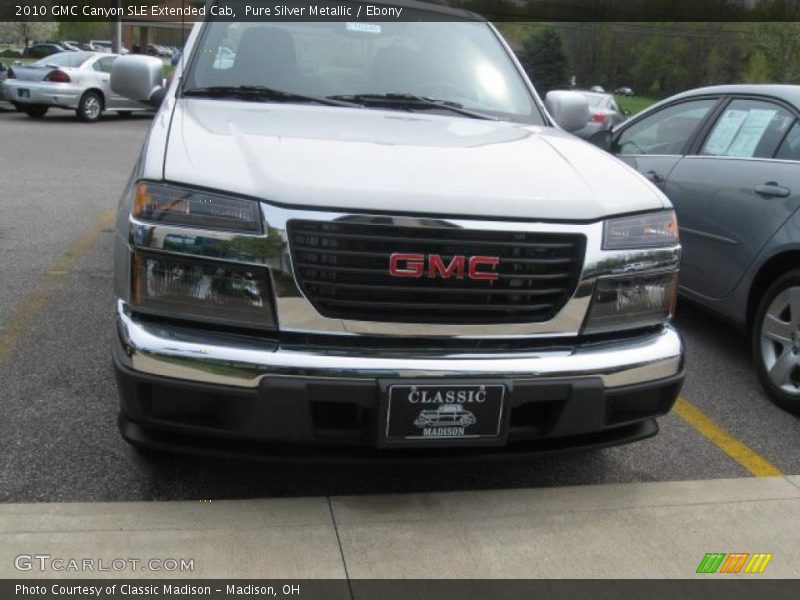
(57,77)
(598,118)
(11,74)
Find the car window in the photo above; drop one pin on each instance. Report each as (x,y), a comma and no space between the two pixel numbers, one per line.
(666,131)
(66,59)
(42,50)
(595,100)
(790,148)
(104,64)
(749,129)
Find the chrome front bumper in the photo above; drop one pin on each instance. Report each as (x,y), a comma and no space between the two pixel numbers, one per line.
(204,357)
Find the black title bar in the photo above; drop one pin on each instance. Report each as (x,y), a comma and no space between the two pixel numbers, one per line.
(397,589)
(400,10)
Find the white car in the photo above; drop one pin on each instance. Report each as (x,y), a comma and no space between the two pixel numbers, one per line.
(73,80)
(101,45)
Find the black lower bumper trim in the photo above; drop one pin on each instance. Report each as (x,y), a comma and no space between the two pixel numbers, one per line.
(307,417)
(281,453)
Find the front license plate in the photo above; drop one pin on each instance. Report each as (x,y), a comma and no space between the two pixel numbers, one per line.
(23,93)
(444,412)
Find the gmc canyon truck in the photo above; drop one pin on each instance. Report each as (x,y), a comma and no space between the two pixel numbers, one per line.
(350,225)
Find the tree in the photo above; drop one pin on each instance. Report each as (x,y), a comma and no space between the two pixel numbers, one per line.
(660,66)
(780,44)
(25,32)
(757,69)
(545,61)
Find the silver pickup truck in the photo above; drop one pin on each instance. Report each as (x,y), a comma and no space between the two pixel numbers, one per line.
(347,226)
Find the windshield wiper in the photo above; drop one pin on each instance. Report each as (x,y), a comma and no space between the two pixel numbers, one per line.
(259,93)
(410,102)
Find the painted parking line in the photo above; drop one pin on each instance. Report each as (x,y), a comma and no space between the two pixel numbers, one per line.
(722,439)
(12,332)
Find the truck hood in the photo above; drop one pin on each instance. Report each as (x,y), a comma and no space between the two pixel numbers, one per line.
(376,160)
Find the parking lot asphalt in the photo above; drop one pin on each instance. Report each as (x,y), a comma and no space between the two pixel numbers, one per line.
(58,438)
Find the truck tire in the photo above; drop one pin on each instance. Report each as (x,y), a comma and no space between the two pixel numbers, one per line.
(775,339)
(90,107)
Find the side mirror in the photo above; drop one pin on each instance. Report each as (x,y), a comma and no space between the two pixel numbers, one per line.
(602,139)
(569,109)
(139,78)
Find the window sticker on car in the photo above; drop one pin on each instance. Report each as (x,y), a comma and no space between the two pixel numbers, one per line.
(751,132)
(724,133)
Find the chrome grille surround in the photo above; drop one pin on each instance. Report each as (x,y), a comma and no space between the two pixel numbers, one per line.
(295,313)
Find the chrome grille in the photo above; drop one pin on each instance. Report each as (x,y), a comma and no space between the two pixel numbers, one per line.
(343,269)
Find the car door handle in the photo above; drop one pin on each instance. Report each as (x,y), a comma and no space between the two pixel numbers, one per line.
(772,189)
(654,177)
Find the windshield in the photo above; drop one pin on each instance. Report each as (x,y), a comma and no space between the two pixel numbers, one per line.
(596,100)
(457,62)
(66,59)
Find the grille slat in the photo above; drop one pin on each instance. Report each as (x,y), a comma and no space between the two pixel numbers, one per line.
(418,289)
(432,306)
(343,269)
(384,272)
(446,257)
(429,240)
(411,306)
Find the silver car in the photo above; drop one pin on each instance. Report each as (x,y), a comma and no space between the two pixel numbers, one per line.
(728,158)
(74,80)
(604,113)
(295,240)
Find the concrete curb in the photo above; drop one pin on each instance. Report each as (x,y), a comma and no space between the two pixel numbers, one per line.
(659,529)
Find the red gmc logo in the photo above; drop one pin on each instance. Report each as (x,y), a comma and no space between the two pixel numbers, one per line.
(432,266)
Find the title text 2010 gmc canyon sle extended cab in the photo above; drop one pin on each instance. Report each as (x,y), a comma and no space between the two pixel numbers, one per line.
(374,239)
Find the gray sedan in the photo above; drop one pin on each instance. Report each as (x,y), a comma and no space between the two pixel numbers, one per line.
(74,80)
(728,157)
(3,77)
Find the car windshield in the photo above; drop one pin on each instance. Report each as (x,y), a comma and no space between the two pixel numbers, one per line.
(596,100)
(66,59)
(462,64)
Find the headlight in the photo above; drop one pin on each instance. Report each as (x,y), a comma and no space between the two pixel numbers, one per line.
(171,204)
(631,302)
(641,231)
(202,290)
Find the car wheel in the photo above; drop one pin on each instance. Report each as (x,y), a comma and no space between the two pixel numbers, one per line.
(36,111)
(776,341)
(90,108)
